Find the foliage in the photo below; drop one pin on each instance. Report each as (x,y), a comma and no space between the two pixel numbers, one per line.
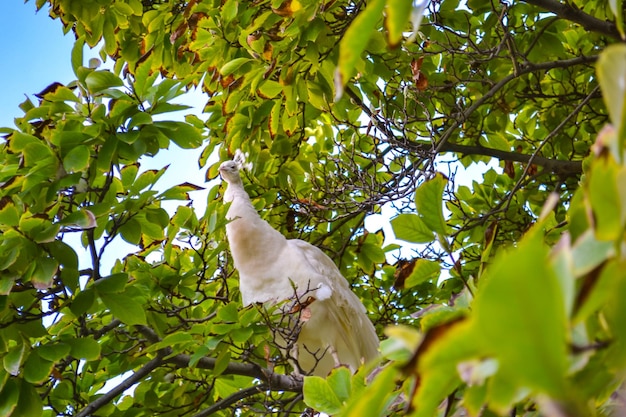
(500,295)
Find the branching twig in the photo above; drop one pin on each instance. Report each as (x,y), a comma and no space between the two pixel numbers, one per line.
(228,401)
(567,12)
(123,386)
(550,135)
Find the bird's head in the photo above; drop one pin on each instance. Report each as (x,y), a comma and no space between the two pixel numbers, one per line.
(229,171)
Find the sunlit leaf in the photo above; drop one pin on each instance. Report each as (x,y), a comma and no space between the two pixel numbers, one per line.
(397,17)
(429,203)
(97,81)
(10,395)
(13,360)
(355,39)
(611,70)
(45,271)
(83,219)
(319,395)
(29,403)
(77,159)
(124,307)
(411,228)
(9,214)
(112,284)
(520,315)
(233,65)
(424,270)
(37,369)
(616,8)
(84,348)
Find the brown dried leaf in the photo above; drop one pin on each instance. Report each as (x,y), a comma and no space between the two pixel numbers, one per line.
(490,232)
(180,30)
(268,49)
(287,8)
(420,80)
(509,169)
(404,268)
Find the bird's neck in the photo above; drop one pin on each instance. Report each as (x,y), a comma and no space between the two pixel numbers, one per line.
(234,191)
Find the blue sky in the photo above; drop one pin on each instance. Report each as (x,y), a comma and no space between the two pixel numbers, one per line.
(34,55)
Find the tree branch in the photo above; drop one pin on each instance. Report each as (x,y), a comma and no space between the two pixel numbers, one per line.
(228,401)
(559,167)
(272,381)
(567,12)
(123,386)
(527,69)
(275,382)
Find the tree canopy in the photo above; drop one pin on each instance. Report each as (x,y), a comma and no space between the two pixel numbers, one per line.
(490,135)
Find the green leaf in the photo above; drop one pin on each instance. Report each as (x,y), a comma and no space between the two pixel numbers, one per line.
(423,271)
(77,159)
(616,8)
(97,81)
(131,231)
(340,381)
(233,65)
(607,198)
(229,313)
(29,403)
(128,174)
(83,219)
(319,395)
(588,252)
(198,354)
(84,348)
(429,203)
(221,362)
(375,398)
(615,314)
(83,301)
(37,369)
(411,228)
(182,134)
(112,284)
(270,89)
(9,214)
(356,37)
(9,396)
(13,360)
(44,273)
(611,69)
(397,17)
(124,307)
(77,54)
(520,319)
(53,351)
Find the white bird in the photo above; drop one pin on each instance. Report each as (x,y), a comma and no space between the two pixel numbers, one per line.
(335,328)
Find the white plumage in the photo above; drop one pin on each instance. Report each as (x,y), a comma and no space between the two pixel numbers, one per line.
(269,266)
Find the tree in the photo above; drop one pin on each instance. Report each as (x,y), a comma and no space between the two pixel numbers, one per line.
(504,297)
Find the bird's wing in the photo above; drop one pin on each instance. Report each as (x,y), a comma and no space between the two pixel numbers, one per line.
(344,307)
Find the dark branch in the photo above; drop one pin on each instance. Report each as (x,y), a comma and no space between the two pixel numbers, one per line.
(559,167)
(271,381)
(275,382)
(527,69)
(123,386)
(567,12)
(228,401)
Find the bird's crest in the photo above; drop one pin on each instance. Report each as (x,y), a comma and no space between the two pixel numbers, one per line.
(240,160)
